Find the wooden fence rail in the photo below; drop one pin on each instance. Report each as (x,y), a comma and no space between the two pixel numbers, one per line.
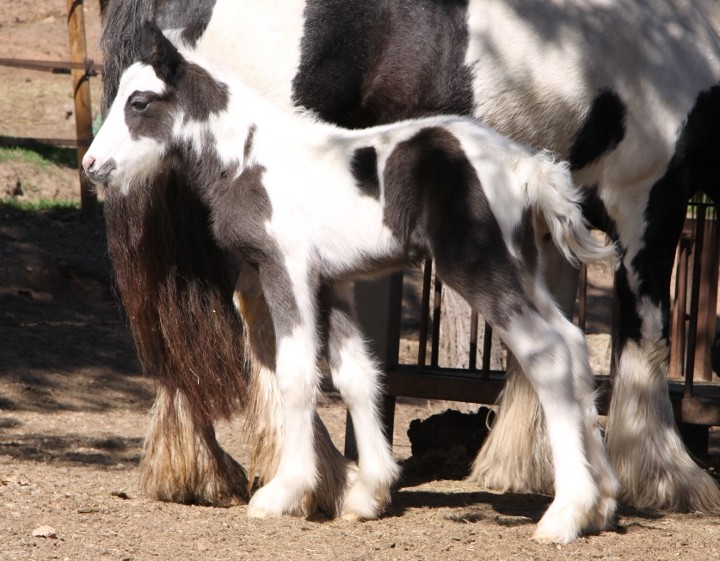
(81,69)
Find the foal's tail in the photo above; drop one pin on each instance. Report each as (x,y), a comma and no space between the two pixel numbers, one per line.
(551,190)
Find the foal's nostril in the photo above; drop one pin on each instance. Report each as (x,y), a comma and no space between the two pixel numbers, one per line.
(88,162)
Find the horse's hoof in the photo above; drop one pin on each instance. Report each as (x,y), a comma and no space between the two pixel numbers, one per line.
(272,500)
(362,504)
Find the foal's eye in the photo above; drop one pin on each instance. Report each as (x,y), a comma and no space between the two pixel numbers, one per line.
(139,103)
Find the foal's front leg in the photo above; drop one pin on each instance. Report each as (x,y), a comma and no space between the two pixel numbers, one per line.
(358,379)
(291,298)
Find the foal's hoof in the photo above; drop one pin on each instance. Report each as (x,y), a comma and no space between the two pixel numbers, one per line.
(272,500)
(560,524)
(604,515)
(362,504)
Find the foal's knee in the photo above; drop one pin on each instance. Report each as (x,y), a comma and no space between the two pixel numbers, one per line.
(354,372)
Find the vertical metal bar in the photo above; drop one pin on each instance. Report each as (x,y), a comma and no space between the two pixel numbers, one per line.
(487,351)
(694,303)
(437,303)
(707,299)
(424,314)
(472,359)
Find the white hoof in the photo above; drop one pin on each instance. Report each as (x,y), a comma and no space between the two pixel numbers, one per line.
(603,518)
(362,504)
(562,523)
(272,500)
(369,493)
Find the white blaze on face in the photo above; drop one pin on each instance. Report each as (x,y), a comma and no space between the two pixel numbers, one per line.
(128,154)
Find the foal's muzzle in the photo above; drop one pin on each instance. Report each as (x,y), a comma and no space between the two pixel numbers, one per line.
(98,173)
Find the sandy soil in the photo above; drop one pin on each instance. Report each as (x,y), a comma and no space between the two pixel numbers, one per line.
(73,404)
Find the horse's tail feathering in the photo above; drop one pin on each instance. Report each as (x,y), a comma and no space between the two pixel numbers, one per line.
(551,190)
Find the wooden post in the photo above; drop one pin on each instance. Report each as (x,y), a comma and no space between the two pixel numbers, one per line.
(81,94)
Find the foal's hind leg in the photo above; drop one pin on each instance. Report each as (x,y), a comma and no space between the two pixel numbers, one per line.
(516,456)
(358,379)
(584,387)
(546,360)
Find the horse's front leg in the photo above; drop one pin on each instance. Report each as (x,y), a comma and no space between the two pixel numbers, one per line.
(265,417)
(291,294)
(654,467)
(358,379)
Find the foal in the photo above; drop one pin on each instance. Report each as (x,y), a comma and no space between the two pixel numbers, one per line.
(307,203)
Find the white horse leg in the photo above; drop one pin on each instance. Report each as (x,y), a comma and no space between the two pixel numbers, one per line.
(652,463)
(546,360)
(358,379)
(584,387)
(516,455)
(294,318)
(545,357)
(264,420)
(655,469)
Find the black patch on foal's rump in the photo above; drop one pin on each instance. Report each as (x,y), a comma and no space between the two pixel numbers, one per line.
(602,130)
(434,203)
(364,169)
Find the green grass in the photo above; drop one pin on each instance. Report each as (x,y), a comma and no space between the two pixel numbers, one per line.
(43,155)
(41,204)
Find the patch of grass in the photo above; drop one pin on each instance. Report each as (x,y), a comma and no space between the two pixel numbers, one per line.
(39,154)
(40,204)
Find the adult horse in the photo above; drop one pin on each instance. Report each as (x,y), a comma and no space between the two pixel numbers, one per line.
(628,94)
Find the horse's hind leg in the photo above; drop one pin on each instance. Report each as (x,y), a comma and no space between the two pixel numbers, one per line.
(545,356)
(516,456)
(546,359)
(584,388)
(654,467)
(358,379)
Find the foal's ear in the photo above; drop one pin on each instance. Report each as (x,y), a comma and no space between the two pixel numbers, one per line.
(157,51)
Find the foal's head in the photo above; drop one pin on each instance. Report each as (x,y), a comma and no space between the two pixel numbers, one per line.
(155,96)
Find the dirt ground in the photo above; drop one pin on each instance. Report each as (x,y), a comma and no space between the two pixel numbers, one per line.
(73,404)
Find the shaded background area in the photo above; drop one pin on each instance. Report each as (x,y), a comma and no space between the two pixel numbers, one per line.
(59,320)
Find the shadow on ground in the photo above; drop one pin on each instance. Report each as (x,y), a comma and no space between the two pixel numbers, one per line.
(60,323)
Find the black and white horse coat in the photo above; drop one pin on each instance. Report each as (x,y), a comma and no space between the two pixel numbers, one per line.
(306,204)
(627,93)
